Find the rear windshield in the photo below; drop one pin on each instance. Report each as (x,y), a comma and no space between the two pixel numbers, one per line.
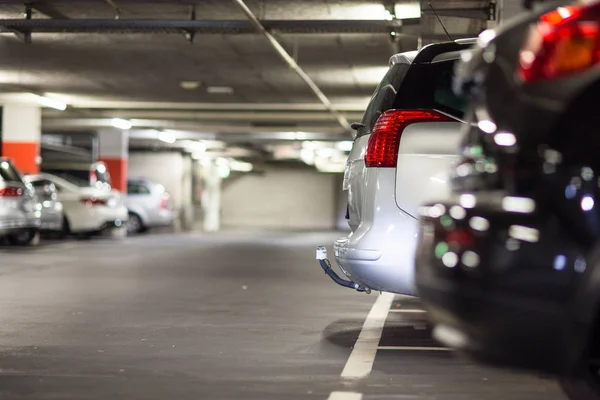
(430,86)
(416,86)
(383,97)
(77,177)
(8,173)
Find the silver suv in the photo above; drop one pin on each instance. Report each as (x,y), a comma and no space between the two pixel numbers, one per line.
(19,212)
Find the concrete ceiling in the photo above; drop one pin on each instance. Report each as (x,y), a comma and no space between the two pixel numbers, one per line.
(138,75)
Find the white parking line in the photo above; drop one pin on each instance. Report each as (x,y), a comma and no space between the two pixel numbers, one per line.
(360,362)
(345,396)
(413,348)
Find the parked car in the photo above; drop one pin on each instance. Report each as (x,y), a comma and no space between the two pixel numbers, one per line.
(94,173)
(508,268)
(149,205)
(19,216)
(87,210)
(51,208)
(402,151)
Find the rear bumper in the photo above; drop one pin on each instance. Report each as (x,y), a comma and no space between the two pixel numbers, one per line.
(161,218)
(8,226)
(380,260)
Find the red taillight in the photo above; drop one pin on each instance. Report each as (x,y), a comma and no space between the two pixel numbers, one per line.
(164,201)
(93,178)
(382,150)
(92,201)
(564,41)
(11,192)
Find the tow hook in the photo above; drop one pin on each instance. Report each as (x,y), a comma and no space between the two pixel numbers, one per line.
(326,265)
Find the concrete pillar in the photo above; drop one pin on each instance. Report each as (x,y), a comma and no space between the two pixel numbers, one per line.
(211,197)
(21,133)
(113,150)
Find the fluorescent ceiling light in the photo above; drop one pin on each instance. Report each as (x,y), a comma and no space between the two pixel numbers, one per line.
(240,166)
(195,146)
(220,90)
(189,85)
(408,10)
(121,123)
(224,171)
(331,168)
(52,103)
(166,137)
(365,11)
(325,152)
(345,145)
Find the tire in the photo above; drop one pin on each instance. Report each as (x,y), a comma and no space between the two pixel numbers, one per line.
(135,224)
(26,238)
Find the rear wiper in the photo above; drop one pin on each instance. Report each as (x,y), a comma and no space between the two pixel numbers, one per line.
(357,125)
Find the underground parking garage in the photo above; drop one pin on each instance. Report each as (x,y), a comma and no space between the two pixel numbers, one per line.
(170,169)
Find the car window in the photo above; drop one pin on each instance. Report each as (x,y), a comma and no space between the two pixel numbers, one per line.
(383,97)
(429,86)
(39,183)
(77,178)
(8,173)
(137,188)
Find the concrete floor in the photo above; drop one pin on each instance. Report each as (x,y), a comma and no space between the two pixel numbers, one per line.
(228,316)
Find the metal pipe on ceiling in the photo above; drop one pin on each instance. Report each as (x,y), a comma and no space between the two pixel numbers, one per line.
(207,26)
(341,119)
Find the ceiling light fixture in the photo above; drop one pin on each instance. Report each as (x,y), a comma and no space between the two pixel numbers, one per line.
(121,123)
(166,137)
(220,90)
(189,85)
(240,166)
(407,10)
(52,103)
(345,145)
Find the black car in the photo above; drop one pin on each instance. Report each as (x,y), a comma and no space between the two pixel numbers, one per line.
(507,268)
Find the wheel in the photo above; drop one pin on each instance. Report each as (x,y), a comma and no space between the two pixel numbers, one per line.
(134,224)
(25,238)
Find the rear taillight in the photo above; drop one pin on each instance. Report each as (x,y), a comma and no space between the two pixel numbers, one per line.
(11,192)
(93,201)
(382,150)
(93,178)
(563,41)
(164,201)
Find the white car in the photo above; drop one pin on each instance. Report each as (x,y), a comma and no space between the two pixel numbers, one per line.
(86,209)
(149,205)
(404,147)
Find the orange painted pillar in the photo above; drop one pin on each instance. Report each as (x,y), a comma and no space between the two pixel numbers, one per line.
(113,150)
(21,133)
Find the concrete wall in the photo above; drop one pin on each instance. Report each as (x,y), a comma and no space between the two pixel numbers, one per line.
(281,198)
(174,172)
